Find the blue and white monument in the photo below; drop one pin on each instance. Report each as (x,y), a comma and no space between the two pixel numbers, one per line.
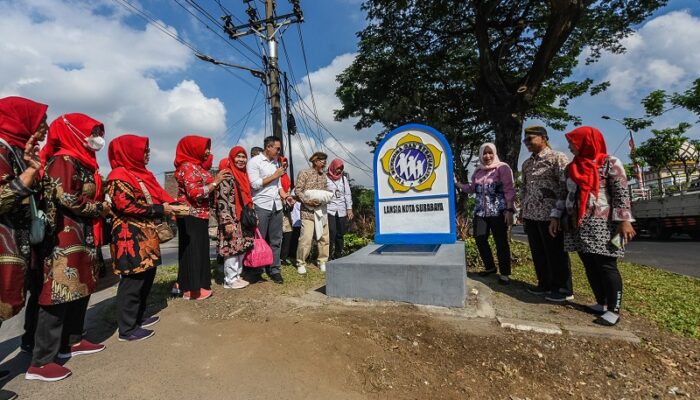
(415,256)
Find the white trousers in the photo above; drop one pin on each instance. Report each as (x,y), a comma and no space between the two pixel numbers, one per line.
(233,266)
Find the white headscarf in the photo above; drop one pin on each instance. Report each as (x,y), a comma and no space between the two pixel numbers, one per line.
(496,161)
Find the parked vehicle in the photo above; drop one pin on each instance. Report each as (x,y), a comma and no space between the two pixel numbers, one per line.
(661,217)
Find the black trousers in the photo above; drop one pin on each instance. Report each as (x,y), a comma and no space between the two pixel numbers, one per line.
(193,271)
(290,242)
(337,226)
(33,282)
(552,264)
(483,227)
(59,326)
(131,300)
(604,278)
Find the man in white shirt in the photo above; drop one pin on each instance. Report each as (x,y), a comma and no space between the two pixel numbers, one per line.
(264,172)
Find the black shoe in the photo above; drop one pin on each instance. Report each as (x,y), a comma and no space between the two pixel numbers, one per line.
(487,272)
(607,319)
(504,280)
(277,278)
(7,395)
(4,374)
(27,348)
(559,297)
(538,290)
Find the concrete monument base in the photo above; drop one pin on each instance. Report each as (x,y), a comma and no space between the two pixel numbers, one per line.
(414,274)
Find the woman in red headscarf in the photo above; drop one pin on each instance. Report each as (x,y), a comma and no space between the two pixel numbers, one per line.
(75,207)
(195,188)
(232,195)
(139,203)
(597,208)
(22,126)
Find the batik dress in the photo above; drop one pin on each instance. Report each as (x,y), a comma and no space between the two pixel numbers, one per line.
(603,214)
(241,240)
(135,246)
(192,189)
(72,267)
(15,219)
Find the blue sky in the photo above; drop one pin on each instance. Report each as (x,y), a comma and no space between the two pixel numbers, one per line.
(100,58)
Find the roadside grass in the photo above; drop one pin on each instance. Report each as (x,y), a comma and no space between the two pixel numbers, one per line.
(670,300)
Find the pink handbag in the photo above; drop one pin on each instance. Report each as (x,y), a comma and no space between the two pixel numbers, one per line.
(261,253)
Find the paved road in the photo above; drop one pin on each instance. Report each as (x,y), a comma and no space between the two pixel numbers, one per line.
(679,255)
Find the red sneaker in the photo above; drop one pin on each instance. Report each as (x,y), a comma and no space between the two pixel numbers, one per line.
(204,294)
(51,372)
(84,347)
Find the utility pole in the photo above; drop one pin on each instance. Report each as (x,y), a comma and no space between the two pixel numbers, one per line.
(267,30)
(291,126)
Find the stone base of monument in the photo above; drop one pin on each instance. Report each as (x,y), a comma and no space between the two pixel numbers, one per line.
(418,274)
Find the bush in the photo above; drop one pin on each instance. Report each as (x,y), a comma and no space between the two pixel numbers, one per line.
(354,242)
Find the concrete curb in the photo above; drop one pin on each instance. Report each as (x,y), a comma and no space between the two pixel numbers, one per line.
(529,326)
(602,332)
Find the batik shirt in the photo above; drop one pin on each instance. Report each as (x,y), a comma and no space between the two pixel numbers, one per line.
(72,268)
(603,214)
(494,190)
(192,189)
(134,246)
(542,184)
(15,251)
(240,240)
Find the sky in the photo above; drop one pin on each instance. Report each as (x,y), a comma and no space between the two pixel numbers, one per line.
(101,58)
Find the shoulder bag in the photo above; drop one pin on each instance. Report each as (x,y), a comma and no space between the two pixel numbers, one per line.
(164,230)
(37,229)
(249,219)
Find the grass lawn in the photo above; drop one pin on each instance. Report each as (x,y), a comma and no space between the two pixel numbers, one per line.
(670,300)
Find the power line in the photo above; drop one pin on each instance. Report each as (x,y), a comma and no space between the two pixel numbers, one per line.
(164,29)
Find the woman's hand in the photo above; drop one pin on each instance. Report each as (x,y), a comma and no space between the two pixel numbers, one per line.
(508,217)
(179,210)
(106,209)
(626,231)
(167,209)
(229,229)
(31,154)
(554,227)
(223,174)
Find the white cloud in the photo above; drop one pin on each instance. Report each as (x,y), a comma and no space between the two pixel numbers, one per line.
(659,55)
(81,56)
(347,139)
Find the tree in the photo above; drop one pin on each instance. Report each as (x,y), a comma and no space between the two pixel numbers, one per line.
(507,60)
(663,150)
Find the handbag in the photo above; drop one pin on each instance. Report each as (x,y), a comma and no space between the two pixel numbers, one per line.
(37,227)
(261,253)
(249,219)
(164,230)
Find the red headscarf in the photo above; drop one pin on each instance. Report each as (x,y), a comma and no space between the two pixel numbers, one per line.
(335,164)
(191,149)
(284,180)
(208,163)
(126,156)
(241,177)
(583,170)
(67,135)
(223,164)
(19,119)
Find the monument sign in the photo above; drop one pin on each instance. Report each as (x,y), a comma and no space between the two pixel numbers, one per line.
(413,186)
(415,256)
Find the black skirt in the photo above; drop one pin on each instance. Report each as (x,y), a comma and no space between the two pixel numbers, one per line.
(193,272)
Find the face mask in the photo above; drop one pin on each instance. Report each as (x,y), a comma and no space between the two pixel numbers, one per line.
(95,143)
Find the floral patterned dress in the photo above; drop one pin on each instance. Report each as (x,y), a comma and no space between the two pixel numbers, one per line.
(603,215)
(240,240)
(134,246)
(72,267)
(192,189)
(15,218)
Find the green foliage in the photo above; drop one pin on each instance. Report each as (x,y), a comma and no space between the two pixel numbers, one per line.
(473,68)
(354,242)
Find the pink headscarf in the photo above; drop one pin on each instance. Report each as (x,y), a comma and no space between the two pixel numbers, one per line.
(496,161)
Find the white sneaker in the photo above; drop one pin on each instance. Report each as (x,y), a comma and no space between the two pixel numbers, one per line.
(238,283)
(301,269)
(322,267)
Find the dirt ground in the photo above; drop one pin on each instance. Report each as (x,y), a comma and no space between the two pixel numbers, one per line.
(272,342)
